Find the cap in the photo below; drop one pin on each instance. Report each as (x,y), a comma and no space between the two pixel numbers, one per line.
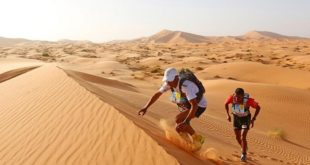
(170,74)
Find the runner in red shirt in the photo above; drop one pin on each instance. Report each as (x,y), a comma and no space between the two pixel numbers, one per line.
(241,103)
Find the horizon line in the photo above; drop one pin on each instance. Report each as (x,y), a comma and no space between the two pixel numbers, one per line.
(87,40)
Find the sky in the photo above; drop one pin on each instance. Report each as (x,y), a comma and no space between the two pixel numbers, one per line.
(106,20)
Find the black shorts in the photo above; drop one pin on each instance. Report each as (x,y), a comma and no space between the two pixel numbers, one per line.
(198,113)
(242,122)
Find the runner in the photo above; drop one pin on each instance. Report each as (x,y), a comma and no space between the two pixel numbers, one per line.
(241,103)
(187,93)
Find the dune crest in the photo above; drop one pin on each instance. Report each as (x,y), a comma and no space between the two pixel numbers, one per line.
(167,36)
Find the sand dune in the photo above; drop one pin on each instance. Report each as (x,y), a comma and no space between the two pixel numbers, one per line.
(53,120)
(167,36)
(100,80)
(256,72)
(257,35)
(84,111)
(12,41)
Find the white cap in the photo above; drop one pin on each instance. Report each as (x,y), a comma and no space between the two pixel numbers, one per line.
(170,74)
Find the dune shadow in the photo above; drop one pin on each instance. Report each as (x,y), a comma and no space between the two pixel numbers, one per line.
(100,80)
(14,73)
(295,144)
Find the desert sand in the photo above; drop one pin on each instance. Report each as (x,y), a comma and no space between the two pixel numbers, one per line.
(77,102)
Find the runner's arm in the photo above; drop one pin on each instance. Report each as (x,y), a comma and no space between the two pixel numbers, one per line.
(257,110)
(228,101)
(255,115)
(255,105)
(227,108)
(153,99)
(192,111)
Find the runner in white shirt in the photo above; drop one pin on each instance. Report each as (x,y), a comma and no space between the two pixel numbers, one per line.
(189,88)
(190,100)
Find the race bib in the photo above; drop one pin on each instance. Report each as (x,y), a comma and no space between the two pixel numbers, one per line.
(244,126)
(176,98)
(238,108)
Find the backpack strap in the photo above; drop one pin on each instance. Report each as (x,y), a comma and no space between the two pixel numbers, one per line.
(182,105)
(245,100)
(234,100)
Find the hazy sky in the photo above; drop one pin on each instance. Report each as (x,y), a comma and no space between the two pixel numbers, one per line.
(104,20)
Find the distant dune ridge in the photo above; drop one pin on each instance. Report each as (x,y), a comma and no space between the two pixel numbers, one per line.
(12,41)
(267,35)
(21,41)
(167,36)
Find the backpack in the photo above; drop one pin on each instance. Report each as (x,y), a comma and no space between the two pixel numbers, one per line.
(180,98)
(186,74)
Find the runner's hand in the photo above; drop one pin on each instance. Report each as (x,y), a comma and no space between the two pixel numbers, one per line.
(142,111)
(229,118)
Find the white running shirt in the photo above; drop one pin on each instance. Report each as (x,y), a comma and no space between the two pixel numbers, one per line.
(189,88)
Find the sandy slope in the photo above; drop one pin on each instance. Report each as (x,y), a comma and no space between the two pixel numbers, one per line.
(47,118)
(282,107)
(277,105)
(7,64)
(127,101)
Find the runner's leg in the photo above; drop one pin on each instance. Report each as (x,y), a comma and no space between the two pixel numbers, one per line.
(238,136)
(183,127)
(244,141)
